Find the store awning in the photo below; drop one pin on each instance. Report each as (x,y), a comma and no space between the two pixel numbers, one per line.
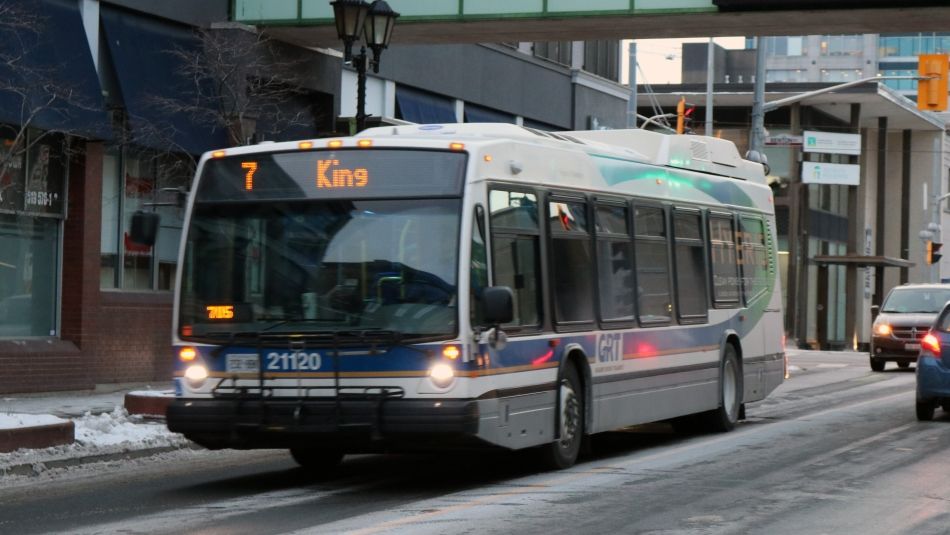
(480,114)
(47,76)
(168,108)
(424,108)
(862,261)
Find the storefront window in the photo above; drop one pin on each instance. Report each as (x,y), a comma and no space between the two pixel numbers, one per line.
(28,275)
(141,181)
(32,197)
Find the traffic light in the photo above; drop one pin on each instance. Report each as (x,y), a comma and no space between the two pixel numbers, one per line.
(684,114)
(932,87)
(933,252)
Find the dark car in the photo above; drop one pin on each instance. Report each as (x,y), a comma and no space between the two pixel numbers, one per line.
(933,368)
(905,318)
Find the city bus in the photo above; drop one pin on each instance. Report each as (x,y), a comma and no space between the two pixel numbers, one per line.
(423,288)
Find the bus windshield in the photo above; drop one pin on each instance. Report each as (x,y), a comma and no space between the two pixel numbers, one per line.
(274,248)
(322,266)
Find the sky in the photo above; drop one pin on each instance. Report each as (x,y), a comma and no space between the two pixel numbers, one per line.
(660,59)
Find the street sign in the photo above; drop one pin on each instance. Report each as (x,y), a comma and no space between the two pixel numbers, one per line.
(831,143)
(831,173)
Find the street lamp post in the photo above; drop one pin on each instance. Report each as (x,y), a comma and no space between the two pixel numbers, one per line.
(372,25)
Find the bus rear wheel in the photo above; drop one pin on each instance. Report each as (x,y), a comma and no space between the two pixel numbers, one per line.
(563,452)
(316,459)
(730,395)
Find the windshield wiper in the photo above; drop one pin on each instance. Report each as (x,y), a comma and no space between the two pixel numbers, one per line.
(290,321)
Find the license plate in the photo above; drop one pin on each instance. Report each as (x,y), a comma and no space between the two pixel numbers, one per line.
(243,363)
(911,347)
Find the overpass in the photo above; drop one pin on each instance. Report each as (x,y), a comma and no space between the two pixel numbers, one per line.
(310,22)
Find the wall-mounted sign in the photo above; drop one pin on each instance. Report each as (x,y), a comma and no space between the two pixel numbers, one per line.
(783,140)
(831,173)
(830,143)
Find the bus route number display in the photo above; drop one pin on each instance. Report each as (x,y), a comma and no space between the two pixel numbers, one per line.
(343,174)
(329,175)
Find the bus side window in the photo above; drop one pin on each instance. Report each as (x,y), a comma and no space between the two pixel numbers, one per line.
(515,246)
(572,262)
(755,263)
(689,252)
(614,263)
(653,265)
(725,266)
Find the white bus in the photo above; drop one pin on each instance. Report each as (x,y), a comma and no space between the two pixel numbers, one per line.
(427,287)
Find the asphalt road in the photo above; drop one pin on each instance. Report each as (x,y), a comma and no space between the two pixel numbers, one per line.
(836,449)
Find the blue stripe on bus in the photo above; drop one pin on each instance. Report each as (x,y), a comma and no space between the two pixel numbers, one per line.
(519,355)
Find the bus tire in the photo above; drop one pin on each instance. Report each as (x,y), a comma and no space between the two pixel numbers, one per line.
(724,418)
(316,459)
(563,451)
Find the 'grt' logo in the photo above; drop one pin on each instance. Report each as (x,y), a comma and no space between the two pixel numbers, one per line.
(331,176)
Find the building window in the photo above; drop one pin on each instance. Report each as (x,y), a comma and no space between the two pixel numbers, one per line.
(842,45)
(32,201)
(787,46)
(901,85)
(556,51)
(29,249)
(785,75)
(603,59)
(913,45)
(133,181)
(840,75)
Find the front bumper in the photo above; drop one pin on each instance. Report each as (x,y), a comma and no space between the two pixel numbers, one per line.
(894,349)
(933,379)
(353,426)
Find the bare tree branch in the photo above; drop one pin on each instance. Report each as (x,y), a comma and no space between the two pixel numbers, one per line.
(31,89)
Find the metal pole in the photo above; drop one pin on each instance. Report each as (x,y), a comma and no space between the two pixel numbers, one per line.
(632,69)
(758,98)
(935,275)
(710,57)
(359,62)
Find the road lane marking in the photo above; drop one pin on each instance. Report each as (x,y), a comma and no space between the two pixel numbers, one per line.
(610,469)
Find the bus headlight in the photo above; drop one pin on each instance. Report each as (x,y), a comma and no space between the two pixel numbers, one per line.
(441,374)
(196,375)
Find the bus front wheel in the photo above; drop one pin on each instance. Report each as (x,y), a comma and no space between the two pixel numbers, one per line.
(562,453)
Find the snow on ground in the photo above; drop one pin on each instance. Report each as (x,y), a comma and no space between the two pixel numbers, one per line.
(96,434)
(16,420)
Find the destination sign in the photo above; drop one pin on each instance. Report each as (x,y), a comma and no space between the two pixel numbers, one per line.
(333,174)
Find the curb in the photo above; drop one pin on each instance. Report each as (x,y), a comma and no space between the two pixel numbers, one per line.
(37,437)
(147,404)
(35,467)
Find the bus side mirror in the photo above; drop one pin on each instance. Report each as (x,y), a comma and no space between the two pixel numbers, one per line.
(144,228)
(498,305)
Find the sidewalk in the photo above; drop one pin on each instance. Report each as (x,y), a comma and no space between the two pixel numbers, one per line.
(39,432)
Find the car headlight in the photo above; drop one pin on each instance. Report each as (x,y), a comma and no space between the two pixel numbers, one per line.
(883,329)
(441,374)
